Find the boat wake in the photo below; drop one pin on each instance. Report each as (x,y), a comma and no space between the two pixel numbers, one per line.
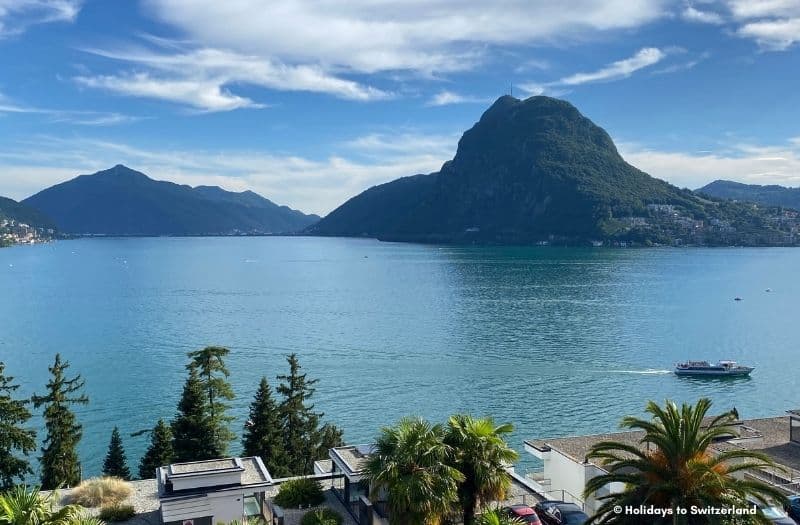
(646,372)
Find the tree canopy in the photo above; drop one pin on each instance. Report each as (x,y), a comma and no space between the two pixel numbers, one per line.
(60,465)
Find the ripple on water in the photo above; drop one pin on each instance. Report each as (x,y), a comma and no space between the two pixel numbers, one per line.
(557,341)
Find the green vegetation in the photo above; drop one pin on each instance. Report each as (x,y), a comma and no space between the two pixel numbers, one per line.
(210,366)
(303,439)
(23,506)
(159,453)
(191,426)
(772,195)
(537,170)
(263,433)
(121,201)
(15,437)
(59,461)
(11,209)
(481,454)
(324,516)
(496,517)
(298,493)
(412,464)
(115,463)
(117,512)
(100,492)
(677,470)
(286,435)
(428,472)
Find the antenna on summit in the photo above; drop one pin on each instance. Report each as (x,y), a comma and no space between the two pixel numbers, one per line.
(511,90)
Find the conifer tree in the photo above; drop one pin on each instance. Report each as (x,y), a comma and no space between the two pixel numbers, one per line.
(159,453)
(210,366)
(263,433)
(331,436)
(60,465)
(302,437)
(15,438)
(191,428)
(116,464)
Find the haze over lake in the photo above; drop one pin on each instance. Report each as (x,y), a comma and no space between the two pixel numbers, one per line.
(557,341)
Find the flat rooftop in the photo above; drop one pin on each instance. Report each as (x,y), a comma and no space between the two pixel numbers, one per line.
(196,467)
(767,435)
(352,457)
(252,470)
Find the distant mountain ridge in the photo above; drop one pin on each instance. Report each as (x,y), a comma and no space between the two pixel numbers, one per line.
(13,210)
(771,195)
(122,201)
(537,170)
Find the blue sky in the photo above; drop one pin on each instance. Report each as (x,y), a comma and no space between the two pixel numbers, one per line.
(309,102)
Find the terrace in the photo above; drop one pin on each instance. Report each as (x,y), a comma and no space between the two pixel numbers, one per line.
(349,484)
(566,469)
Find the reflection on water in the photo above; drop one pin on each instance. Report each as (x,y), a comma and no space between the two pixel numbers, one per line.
(558,341)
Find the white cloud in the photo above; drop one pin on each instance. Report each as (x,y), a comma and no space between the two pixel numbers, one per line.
(80,117)
(751,164)
(330,47)
(201,94)
(17,15)
(773,24)
(200,78)
(683,66)
(367,36)
(773,35)
(746,9)
(691,14)
(620,69)
(311,185)
(446,98)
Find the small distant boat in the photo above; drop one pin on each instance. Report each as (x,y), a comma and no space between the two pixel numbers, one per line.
(737,298)
(719,369)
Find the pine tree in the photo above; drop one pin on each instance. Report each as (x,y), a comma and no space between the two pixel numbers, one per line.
(15,439)
(331,436)
(301,435)
(60,465)
(263,433)
(159,453)
(191,428)
(116,464)
(213,374)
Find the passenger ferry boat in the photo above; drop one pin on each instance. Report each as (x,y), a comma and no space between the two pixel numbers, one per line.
(720,369)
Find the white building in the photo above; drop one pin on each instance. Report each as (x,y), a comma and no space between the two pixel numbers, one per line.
(566,469)
(213,491)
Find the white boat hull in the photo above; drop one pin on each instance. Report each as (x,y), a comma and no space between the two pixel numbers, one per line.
(738,372)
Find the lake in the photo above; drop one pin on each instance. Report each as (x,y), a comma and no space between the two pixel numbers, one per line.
(557,341)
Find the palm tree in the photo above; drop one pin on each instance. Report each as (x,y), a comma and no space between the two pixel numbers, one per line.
(23,506)
(410,466)
(482,455)
(495,517)
(673,466)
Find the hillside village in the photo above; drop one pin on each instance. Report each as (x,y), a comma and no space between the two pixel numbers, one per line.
(667,224)
(14,232)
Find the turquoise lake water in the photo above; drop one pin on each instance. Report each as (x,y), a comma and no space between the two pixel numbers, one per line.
(557,341)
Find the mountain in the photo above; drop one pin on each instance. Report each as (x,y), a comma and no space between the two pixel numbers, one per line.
(537,170)
(121,201)
(772,195)
(11,209)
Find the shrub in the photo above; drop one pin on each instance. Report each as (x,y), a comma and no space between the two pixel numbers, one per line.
(97,492)
(117,512)
(300,492)
(324,516)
